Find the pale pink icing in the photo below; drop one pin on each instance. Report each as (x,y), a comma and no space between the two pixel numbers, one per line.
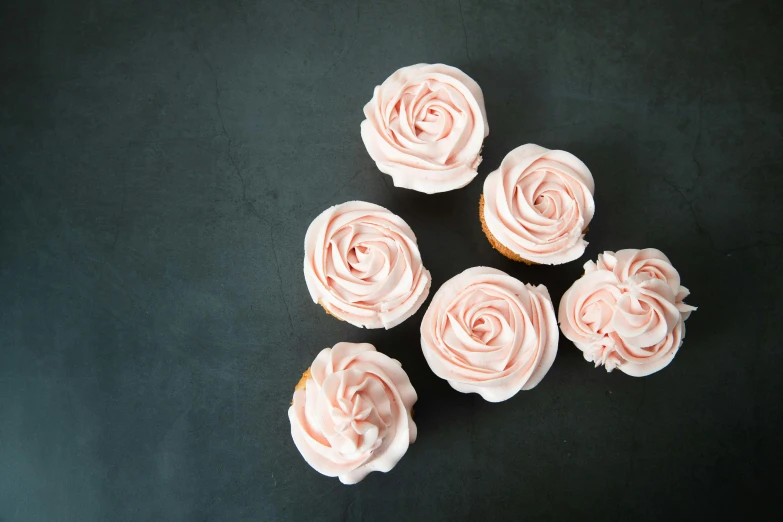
(488,333)
(354,415)
(363,265)
(425,126)
(538,204)
(627,311)
(651,261)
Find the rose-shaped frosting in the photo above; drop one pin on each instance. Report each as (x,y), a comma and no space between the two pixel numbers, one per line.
(488,333)
(627,311)
(538,204)
(425,126)
(354,414)
(363,265)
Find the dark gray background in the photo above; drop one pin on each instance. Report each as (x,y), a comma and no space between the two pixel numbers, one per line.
(160,163)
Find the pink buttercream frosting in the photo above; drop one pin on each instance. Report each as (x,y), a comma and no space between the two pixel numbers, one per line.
(363,265)
(488,333)
(627,311)
(538,204)
(354,414)
(425,126)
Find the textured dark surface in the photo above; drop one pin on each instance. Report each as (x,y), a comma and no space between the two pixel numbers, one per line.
(160,163)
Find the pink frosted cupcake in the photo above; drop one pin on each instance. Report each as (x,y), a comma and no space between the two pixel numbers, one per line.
(537,206)
(488,333)
(425,127)
(362,264)
(627,311)
(351,412)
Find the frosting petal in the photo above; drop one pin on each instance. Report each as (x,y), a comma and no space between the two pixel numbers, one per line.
(362,264)
(425,126)
(488,333)
(354,415)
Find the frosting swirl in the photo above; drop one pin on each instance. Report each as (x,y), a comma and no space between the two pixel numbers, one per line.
(627,311)
(488,333)
(362,264)
(354,414)
(538,204)
(650,261)
(425,126)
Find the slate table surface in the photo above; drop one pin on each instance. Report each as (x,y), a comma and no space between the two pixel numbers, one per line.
(161,161)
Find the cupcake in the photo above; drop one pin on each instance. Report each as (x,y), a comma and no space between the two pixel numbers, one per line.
(425,126)
(627,311)
(488,333)
(351,412)
(537,206)
(363,266)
